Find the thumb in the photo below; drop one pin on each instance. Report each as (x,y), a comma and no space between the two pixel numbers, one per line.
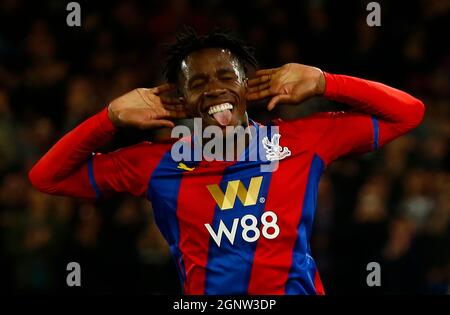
(277,99)
(161,123)
(157,123)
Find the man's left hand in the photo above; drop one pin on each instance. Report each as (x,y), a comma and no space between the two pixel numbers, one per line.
(289,84)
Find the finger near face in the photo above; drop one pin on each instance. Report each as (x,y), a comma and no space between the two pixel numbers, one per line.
(258,95)
(162,88)
(170,100)
(260,87)
(170,113)
(176,107)
(259,80)
(252,97)
(266,71)
(176,114)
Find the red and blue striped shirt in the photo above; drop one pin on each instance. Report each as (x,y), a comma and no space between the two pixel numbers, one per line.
(232,228)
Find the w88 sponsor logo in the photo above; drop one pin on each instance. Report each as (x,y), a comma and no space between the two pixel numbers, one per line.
(250,230)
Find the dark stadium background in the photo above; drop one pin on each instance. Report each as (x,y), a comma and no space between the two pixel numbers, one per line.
(392,207)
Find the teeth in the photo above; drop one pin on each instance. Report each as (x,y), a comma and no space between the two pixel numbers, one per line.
(218,108)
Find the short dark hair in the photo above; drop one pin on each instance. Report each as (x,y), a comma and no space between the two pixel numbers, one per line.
(187,41)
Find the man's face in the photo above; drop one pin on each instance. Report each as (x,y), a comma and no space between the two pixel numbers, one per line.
(214,87)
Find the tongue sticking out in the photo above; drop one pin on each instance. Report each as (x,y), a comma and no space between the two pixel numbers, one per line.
(223,117)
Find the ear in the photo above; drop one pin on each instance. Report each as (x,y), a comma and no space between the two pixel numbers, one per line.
(187,109)
(179,89)
(181,94)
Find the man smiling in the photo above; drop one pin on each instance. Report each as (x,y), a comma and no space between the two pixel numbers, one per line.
(222,106)
(232,228)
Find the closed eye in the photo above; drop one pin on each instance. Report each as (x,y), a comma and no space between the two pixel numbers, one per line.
(228,77)
(226,74)
(197,84)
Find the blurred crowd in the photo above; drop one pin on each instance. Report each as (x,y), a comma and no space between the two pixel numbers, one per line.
(390,207)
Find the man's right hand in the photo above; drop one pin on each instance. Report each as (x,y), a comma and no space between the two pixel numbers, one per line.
(146,108)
